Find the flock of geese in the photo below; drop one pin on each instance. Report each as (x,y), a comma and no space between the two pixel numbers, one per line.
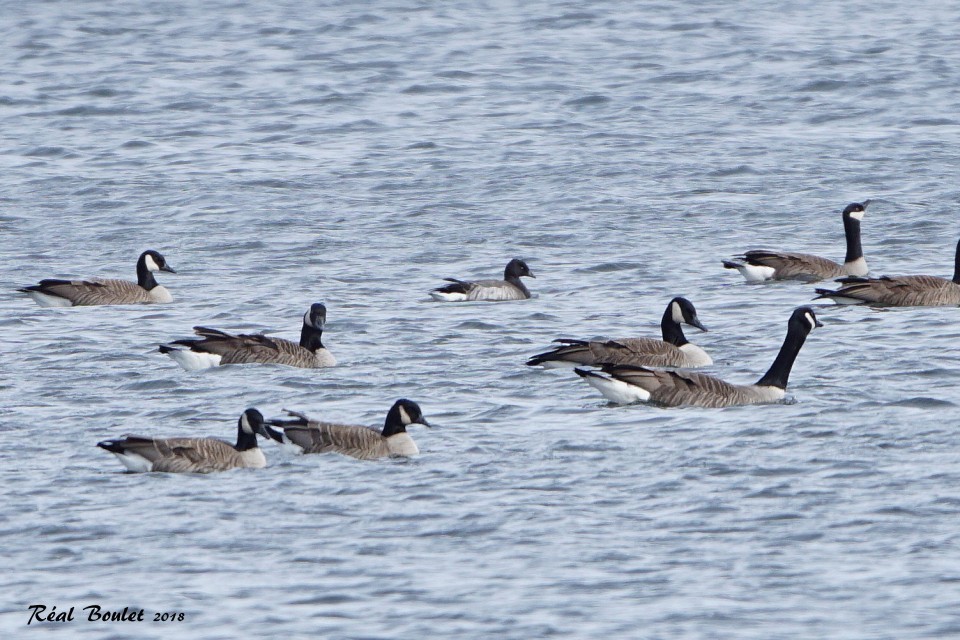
(625,370)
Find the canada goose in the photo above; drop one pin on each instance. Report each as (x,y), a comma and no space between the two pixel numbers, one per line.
(510,288)
(193,455)
(759,265)
(628,383)
(899,291)
(364,443)
(218,348)
(78,293)
(672,351)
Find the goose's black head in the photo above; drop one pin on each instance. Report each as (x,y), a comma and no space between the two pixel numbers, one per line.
(248,427)
(517,268)
(316,317)
(803,321)
(403,413)
(684,311)
(153,262)
(251,422)
(311,333)
(855,210)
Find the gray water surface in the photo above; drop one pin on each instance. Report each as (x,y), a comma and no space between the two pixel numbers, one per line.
(283,153)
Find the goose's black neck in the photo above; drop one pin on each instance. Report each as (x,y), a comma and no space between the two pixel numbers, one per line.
(670,328)
(851,228)
(144,276)
(310,338)
(515,281)
(274,434)
(245,441)
(394,423)
(779,371)
(956,266)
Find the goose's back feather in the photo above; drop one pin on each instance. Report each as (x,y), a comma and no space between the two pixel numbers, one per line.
(649,352)
(795,266)
(900,291)
(350,440)
(188,455)
(256,348)
(495,290)
(481,290)
(687,388)
(355,441)
(100,292)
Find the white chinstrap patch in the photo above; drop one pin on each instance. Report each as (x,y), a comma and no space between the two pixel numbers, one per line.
(811,320)
(857,215)
(676,312)
(404,416)
(151,263)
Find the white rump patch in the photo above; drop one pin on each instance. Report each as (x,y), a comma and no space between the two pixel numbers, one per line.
(47,300)
(134,462)
(617,390)
(754,273)
(448,297)
(559,364)
(193,360)
(846,300)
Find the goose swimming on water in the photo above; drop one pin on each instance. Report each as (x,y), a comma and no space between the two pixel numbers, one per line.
(760,265)
(672,351)
(364,443)
(216,348)
(899,291)
(624,384)
(510,288)
(77,293)
(193,455)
